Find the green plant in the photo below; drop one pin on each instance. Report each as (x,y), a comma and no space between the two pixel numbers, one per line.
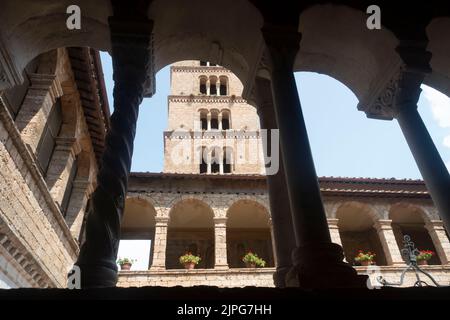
(253,259)
(364,256)
(425,255)
(123,261)
(189,258)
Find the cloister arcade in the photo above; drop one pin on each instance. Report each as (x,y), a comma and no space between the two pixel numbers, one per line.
(198,225)
(263,46)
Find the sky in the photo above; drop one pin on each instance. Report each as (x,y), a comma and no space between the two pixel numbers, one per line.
(344,142)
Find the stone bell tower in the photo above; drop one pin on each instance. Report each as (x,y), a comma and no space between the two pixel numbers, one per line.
(211,128)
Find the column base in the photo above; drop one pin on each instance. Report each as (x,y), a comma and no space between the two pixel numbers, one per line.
(279,277)
(322,266)
(221,267)
(157,268)
(98,276)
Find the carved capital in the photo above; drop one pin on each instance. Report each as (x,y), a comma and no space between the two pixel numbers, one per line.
(400,89)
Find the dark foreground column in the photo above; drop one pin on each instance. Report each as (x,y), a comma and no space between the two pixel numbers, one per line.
(429,162)
(131,40)
(318,262)
(283,231)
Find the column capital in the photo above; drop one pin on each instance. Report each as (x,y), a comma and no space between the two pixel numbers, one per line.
(160,221)
(220,220)
(383,225)
(400,90)
(435,224)
(333,223)
(282,43)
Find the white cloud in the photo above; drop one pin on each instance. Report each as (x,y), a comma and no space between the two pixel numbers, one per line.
(447,141)
(439,104)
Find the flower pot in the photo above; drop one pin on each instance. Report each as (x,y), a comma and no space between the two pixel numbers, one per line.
(189,265)
(422,262)
(366,263)
(125,266)
(250,265)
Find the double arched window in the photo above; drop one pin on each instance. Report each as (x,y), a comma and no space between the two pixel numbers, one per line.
(213,85)
(216,160)
(215,119)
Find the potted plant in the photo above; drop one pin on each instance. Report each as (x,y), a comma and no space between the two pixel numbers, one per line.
(125,263)
(189,260)
(365,258)
(424,256)
(252,260)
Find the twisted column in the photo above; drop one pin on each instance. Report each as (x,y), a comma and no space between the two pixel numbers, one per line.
(131,41)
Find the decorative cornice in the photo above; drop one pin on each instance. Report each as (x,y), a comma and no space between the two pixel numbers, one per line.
(206,99)
(23,257)
(200,69)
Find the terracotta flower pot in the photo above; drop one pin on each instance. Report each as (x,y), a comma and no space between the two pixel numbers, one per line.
(366,263)
(250,265)
(125,266)
(422,262)
(189,265)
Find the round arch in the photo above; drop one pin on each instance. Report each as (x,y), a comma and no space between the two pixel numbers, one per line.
(409,219)
(248,229)
(336,42)
(356,228)
(190,229)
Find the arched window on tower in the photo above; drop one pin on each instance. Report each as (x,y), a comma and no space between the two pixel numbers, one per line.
(203,160)
(215,160)
(227,159)
(204,120)
(213,86)
(214,120)
(223,86)
(203,81)
(226,120)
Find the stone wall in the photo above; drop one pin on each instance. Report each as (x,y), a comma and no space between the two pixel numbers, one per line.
(262,277)
(220,278)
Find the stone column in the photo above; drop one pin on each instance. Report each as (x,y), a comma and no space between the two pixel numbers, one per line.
(440,240)
(77,205)
(131,42)
(389,243)
(160,244)
(220,243)
(208,119)
(219,119)
(208,87)
(60,167)
(433,170)
(218,87)
(318,262)
(334,231)
(429,162)
(283,237)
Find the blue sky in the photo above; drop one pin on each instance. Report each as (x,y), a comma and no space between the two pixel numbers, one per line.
(344,142)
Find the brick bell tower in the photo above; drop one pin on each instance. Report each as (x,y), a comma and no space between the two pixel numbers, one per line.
(211,128)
